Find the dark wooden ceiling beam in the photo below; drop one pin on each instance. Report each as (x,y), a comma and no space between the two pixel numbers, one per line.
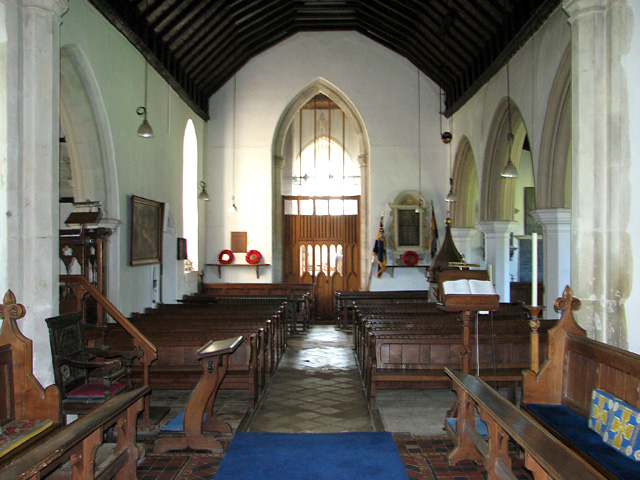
(266,28)
(197,45)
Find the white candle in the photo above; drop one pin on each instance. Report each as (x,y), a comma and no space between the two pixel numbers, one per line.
(490,269)
(534,269)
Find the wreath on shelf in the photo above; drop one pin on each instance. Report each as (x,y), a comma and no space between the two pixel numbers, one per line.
(225,257)
(253,257)
(410,258)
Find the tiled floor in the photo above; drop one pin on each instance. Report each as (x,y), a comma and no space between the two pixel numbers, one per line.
(317,389)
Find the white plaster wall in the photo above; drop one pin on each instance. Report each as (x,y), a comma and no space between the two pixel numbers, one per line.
(532,71)
(631,71)
(384,88)
(150,168)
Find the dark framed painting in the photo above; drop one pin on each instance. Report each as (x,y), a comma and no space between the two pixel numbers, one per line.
(145,231)
(182,249)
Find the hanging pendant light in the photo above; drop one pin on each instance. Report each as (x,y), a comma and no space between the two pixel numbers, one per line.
(232,208)
(145,130)
(451,197)
(203,195)
(509,170)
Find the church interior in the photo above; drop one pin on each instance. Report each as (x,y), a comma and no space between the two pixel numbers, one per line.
(336,217)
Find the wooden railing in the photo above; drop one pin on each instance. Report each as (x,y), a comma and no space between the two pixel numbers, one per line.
(79,440)
(81,287)
(545,456)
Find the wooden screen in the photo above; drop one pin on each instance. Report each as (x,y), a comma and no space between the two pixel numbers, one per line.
(320,246)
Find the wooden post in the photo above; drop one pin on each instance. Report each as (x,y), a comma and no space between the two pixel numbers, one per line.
(534,324)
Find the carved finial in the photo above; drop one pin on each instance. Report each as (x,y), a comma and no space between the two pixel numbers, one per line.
(567,301)
(10,310)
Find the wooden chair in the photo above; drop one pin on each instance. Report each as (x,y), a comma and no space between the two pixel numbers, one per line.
(83,379)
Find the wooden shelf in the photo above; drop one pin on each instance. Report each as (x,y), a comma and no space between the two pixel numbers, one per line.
(220,265)
(392,267)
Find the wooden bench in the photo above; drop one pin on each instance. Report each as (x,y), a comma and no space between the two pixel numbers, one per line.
(545,456)
(344,302)
(559,394)
(290,290)
(408,351)
(23,399)
(28,412)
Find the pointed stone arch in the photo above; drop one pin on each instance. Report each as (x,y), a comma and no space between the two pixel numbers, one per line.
(465,186)
(84,120)
(555,148)
(319,86)
(497,199)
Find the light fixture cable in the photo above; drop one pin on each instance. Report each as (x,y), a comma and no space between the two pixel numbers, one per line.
(509,171)
(233,208)
(145,130)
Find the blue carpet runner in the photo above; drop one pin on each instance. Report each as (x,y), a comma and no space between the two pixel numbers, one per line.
(318,456)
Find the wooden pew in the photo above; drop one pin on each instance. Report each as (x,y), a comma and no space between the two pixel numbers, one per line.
(575,366)
(344,302)
(409,350)
(78,443)
(178,332)
(23,398)
(545,456)
(292,291)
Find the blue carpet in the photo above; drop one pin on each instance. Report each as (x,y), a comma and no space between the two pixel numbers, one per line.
(318,456)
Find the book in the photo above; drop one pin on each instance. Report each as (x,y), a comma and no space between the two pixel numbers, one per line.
(468,287)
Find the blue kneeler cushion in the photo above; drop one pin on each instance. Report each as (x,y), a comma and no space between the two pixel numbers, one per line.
(576,429)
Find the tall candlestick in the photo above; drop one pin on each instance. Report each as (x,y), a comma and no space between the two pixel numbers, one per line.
(534,269)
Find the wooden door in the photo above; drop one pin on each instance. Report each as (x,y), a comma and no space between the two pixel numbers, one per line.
(320,246)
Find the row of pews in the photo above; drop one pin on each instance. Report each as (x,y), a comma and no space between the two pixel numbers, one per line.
(408,344)
(178,330)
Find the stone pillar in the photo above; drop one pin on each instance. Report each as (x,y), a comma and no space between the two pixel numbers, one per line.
(277,213)
(556,254)
(33,175)
(600,244)
(497,254)
(468,243)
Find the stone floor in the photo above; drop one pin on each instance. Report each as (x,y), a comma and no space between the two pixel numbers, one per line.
(317,389)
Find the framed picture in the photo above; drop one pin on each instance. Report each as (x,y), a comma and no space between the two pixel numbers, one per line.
(145,231)
(182,249)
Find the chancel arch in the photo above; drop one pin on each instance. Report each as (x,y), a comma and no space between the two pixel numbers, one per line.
(89,142)
(361,153)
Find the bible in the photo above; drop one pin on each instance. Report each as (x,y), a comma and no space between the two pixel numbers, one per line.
(465,286)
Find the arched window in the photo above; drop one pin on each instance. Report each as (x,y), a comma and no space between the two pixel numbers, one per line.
(317,160)
(190,195)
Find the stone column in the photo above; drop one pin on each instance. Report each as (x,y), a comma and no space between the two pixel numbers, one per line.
(276,249)
(600,244)
(556,254)
(468,243)
(33,175)
(497,254)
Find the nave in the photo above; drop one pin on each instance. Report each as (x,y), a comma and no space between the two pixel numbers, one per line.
(317,389)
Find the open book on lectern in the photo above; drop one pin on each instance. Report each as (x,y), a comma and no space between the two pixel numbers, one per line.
(466,286)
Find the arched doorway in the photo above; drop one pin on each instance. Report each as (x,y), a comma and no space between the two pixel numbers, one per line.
(321,173)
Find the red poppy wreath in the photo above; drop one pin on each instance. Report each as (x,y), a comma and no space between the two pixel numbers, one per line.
(410,258)
(225,257)
(253,257)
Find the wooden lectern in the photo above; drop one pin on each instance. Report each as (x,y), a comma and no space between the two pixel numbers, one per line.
(467,304)
(215,362)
